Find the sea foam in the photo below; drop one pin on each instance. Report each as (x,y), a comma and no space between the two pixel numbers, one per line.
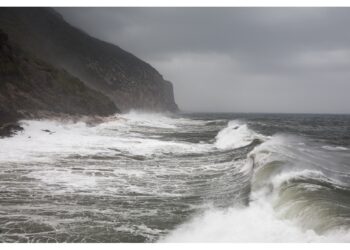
(235,135)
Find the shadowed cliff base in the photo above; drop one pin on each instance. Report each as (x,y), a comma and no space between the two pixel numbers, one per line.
(128,81)
(32,88)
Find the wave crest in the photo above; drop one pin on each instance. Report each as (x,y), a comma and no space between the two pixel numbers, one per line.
(235,135)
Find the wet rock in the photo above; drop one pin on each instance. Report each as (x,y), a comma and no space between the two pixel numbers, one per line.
(10,129)
(48,131)
(31,88)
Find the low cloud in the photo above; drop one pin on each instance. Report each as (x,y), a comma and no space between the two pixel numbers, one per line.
(236,59)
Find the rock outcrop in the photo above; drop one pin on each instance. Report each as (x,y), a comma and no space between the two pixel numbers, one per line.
(128,81)
(30,87)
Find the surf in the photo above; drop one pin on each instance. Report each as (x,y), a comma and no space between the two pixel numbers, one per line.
(172,178)
(298,194)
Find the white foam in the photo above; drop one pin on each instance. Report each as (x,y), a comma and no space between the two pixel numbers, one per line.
(78,138)
(156,120)
(334,148)
(149,119)
(235,135)
(66,179)
(259,222)
(256,223)
(117,134)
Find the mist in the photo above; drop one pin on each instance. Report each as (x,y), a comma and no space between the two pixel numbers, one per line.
(293,60)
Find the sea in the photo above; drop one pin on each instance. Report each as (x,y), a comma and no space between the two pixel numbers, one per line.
(187,177)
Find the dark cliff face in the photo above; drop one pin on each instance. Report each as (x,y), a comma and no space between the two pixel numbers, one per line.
(127,80)
(29,86)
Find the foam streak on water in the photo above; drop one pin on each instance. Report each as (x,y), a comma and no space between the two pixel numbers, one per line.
(199,177)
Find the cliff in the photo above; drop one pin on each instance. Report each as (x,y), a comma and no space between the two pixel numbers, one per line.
(30,86)
(128,81)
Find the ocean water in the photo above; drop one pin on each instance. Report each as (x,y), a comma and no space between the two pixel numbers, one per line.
(141,177)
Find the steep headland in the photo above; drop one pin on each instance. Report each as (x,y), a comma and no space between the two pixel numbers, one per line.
(128,81)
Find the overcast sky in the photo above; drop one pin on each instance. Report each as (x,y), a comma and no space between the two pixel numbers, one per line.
(236,59)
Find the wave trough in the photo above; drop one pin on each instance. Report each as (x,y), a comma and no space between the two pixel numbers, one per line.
(193,178)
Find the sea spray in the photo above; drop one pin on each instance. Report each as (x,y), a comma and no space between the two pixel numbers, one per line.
(192,177)
(235,135)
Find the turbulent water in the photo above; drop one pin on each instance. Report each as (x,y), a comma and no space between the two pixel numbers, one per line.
(177,178)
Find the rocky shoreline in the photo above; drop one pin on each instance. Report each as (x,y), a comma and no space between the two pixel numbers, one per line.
(33,89)
(8,129)
(55,71)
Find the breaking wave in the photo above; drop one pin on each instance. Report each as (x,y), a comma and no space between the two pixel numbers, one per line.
(236,135)
(136,176)
(298,194)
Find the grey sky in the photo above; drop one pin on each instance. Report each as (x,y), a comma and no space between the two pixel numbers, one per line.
(236,59)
